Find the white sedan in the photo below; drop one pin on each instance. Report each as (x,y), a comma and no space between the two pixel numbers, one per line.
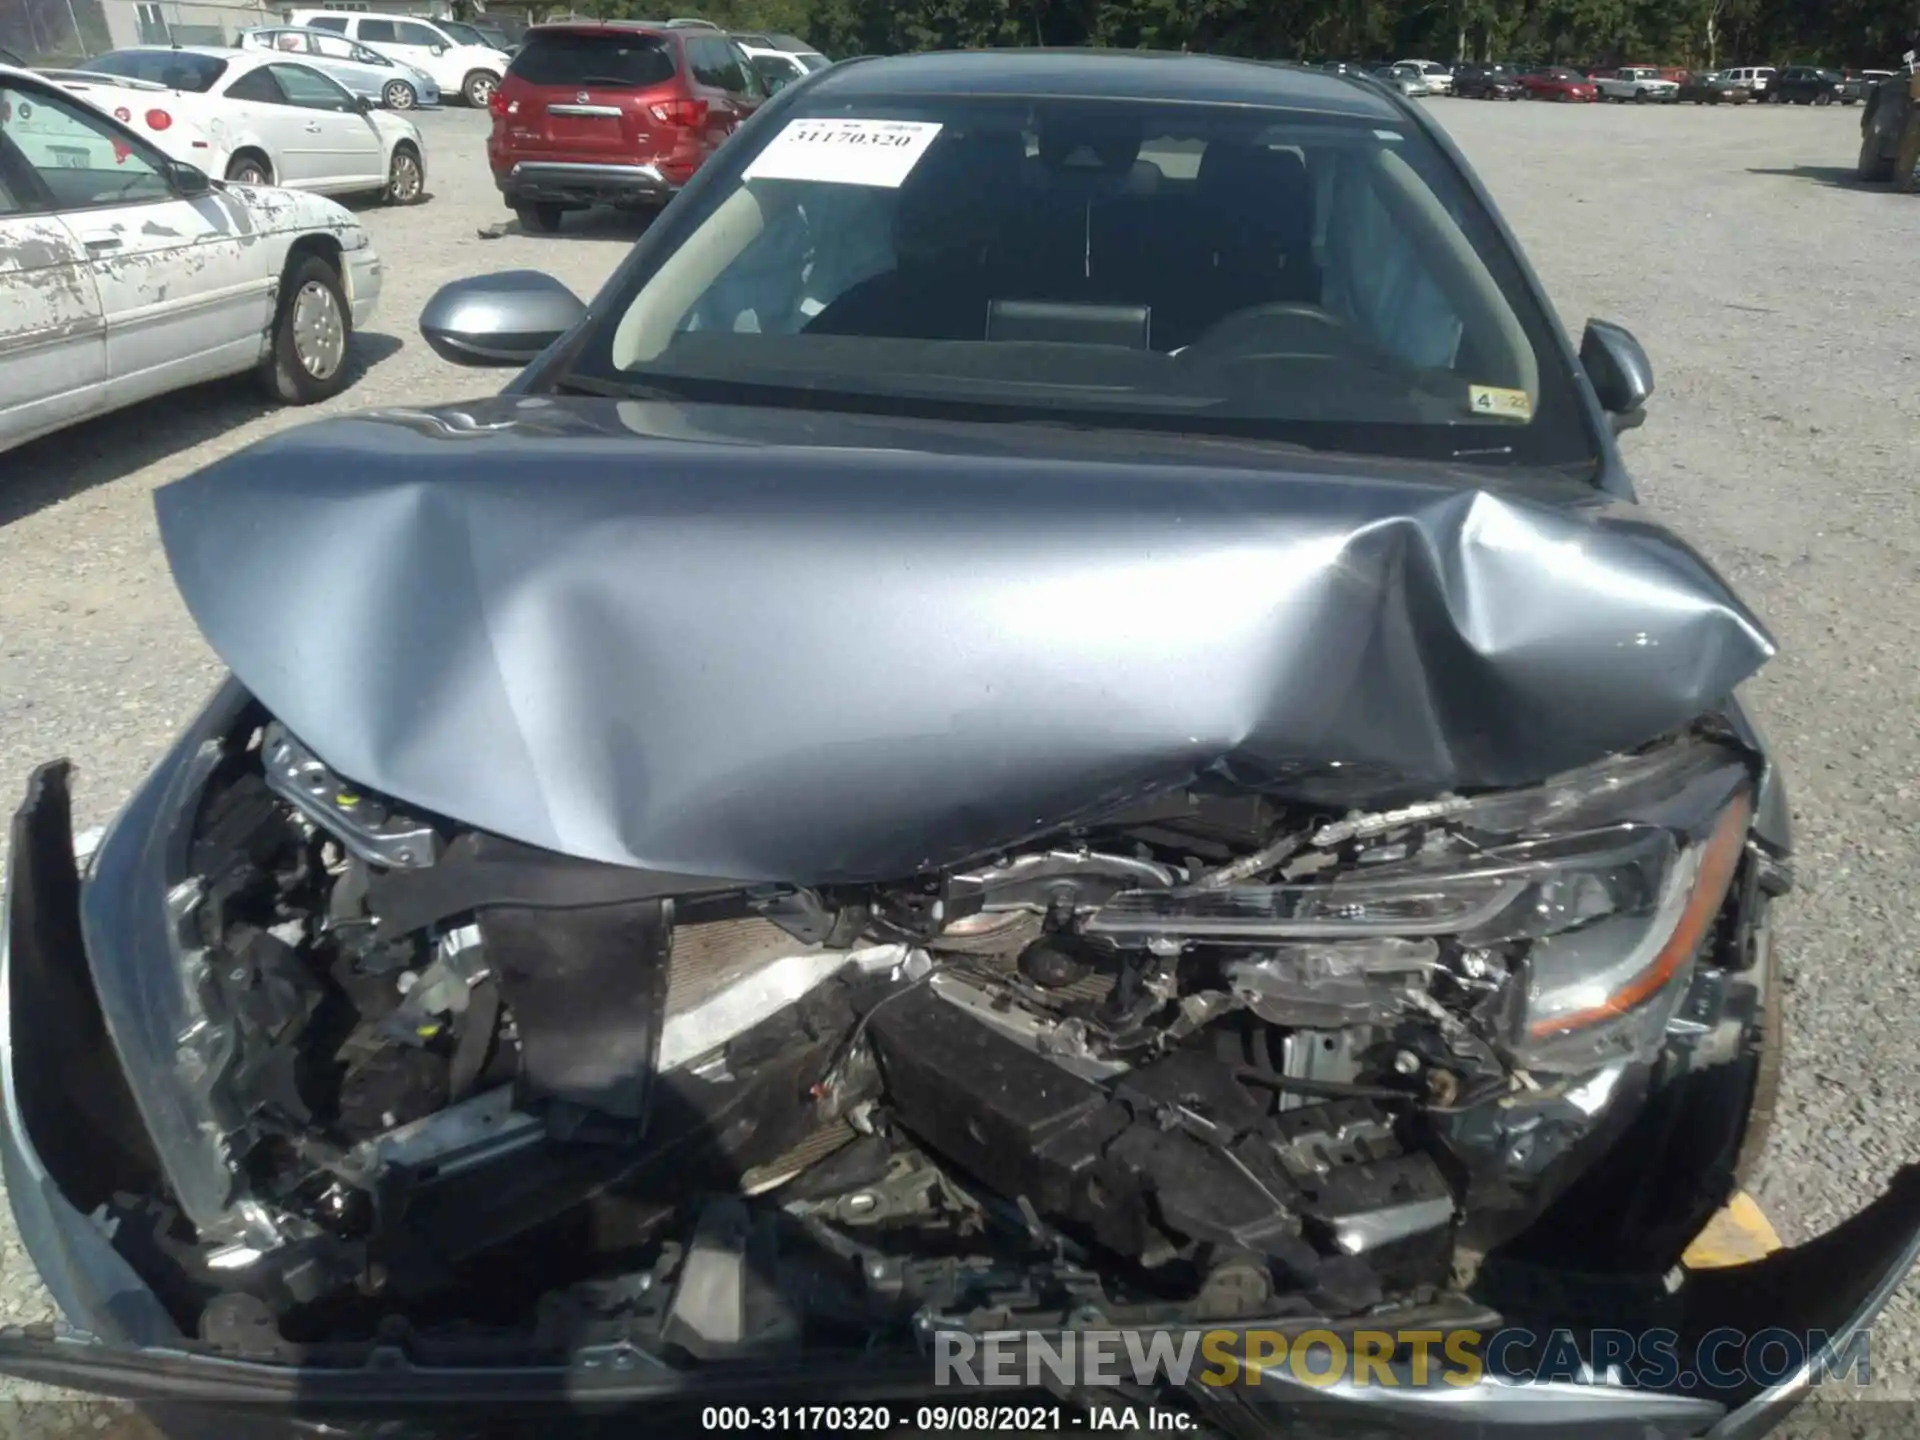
(125,273)
(266,120)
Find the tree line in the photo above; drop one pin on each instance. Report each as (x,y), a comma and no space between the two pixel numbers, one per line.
(1869,34)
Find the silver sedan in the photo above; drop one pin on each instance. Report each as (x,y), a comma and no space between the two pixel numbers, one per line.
(380,78)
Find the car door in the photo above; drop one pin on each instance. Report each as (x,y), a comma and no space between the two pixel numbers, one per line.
(333,56)
(708,60)
(753,91)
(261,107)
(183,299)
(53,334)
(348,152)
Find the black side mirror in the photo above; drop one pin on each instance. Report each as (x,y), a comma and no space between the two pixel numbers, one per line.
(1621,373)
(503,319)
(189,182)
(363,104)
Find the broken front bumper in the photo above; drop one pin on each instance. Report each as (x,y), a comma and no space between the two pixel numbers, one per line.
(71,1135)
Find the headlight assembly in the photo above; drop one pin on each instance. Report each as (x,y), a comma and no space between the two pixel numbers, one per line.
(1599,927)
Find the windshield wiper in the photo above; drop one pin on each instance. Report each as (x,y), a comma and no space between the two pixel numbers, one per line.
(615,390)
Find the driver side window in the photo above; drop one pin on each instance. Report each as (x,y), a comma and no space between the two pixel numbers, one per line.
(77,156)
(310,90)
(417,34)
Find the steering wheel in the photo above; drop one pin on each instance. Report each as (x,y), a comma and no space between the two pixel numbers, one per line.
(1245,334)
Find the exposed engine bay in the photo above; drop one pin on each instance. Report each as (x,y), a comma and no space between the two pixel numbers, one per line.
(1214,1056)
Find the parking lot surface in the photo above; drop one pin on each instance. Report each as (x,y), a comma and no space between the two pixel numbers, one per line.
(1775,297)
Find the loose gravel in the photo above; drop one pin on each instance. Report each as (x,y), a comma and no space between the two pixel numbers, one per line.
(1776,299)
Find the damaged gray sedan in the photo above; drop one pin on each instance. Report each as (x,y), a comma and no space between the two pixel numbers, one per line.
(1051,713)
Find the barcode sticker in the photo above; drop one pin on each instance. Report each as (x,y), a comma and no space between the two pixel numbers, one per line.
(881,153)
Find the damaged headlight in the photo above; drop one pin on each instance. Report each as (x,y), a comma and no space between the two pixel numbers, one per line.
(1599,927)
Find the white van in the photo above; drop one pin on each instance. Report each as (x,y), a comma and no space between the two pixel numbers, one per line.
(470,71)
(1754,77)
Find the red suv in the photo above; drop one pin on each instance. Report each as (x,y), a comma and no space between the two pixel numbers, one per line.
(612,113)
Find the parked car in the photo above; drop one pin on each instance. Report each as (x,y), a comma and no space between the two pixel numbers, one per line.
(1488,82)
(459,68)
(155,110)
(266,120)
(363,71)
(1638,83)
(1806,85)
(486,36)
(1555,82)
(614,113)
(1714,88)
(539,1025)
(1755,77)
(129,274)
(1439,77)
(802,58)
(1407,79)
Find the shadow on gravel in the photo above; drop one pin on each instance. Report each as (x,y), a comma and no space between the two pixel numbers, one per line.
(97,452)
(1837,177)
(595,224)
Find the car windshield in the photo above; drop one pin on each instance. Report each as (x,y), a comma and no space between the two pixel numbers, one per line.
(176,69)
(1315,279)
(813,61)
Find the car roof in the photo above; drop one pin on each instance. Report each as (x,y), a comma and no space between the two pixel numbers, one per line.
(643,27)
(1107,75)
(237,59)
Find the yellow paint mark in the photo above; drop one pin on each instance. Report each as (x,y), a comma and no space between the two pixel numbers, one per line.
(1738,1235)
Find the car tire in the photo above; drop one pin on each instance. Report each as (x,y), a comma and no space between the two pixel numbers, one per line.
(1906,156)
(247,168)
(1639,97)
(1872,165)
(406,176)
(312,329)
(477,89)
(540,218)
(399,95)
(1823,99)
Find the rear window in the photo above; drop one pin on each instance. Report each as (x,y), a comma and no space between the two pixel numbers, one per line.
(176,69)
(593,58)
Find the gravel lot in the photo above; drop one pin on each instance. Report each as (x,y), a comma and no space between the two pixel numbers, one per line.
(1773,296)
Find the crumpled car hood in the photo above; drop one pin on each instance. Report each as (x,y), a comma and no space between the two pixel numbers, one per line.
(780,645)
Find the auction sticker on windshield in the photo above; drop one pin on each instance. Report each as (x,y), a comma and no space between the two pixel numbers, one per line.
(845,152)
(1493,400)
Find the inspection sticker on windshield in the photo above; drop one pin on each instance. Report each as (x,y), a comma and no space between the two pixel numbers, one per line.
(1492,400)
(845,152)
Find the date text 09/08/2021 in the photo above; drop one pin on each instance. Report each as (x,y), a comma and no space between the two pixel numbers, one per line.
(983,1419)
